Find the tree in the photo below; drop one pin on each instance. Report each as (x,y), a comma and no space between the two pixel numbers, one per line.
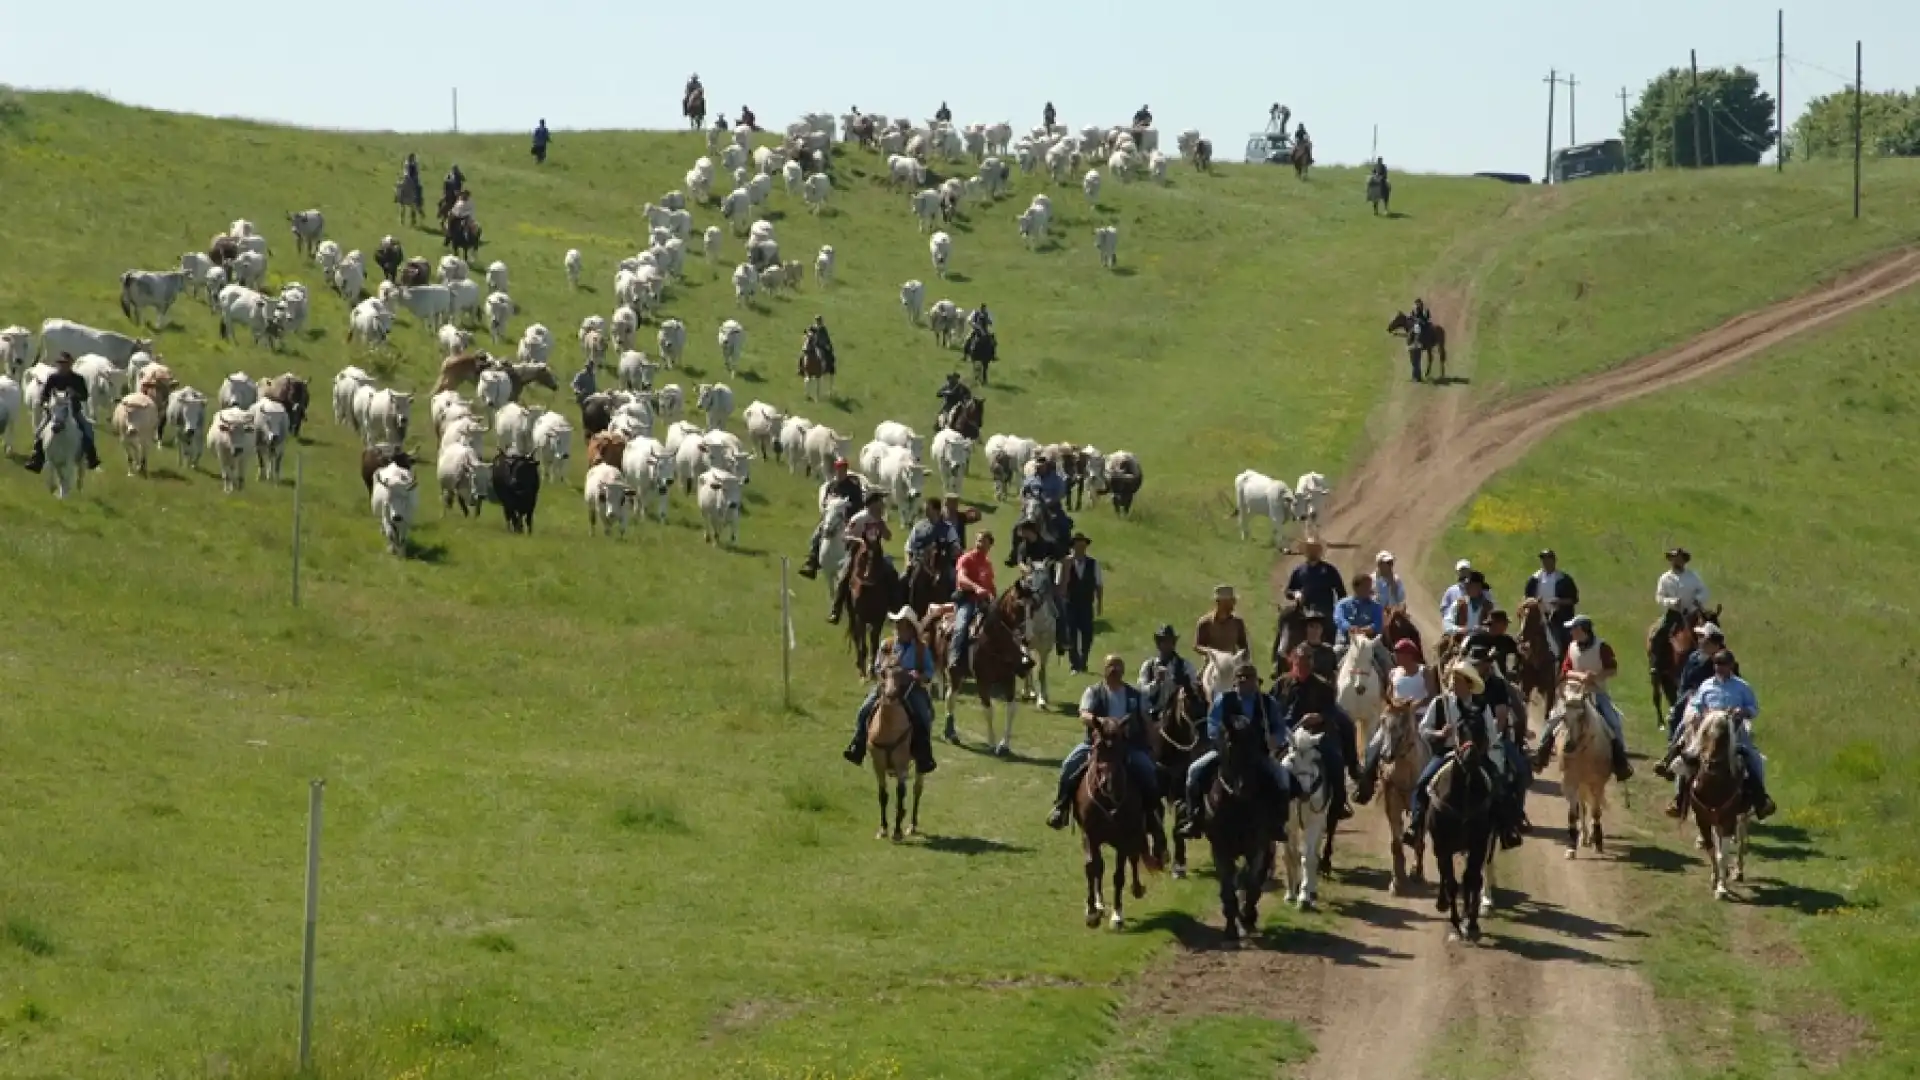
(1735,118)
(1889,126)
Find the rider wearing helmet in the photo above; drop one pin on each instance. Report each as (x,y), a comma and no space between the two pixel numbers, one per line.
(844,485)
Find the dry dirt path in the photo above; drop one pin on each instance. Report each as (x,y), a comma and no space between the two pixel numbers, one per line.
(1553,990)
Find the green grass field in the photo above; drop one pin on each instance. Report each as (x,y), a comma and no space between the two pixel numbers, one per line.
(571,830)
(1790,481)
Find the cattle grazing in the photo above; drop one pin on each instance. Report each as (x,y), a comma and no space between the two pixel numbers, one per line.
(308,227)
(231,438)
(395,498)
(136,420)
(156,289)
(1256,493)
(516,487)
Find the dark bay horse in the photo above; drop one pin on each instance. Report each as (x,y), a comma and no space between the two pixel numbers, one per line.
(1718,800)
(1110,814)
(1176,730)
(1538,670)
(1423,337)
(694,107)
(981,350)
(1245,816)
(1302,157)
(966,418)
(1460,822)
(928,580)
(995,660)
(1400,627)
(1667,648)
(873,588)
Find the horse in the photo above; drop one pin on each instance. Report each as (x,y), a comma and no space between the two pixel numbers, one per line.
(60,440)
(1362,680)
(1423,336)
(1301,157)
(1538,669)
(1042,629)
(1400,628)
(928,580)
(1110,814)
(1217,676)
(890,748)
(1665,655)
(1402,760)
(462,235)
(1718,799)
(1306,816)
(965,418)
(1460,822)
(1289,631)
(873,588)
(1241,824)
(1586,763)
(407,196)
(994,657)
(1380,193)
(816,369)
(1175,725)
(693,106)
(981,350)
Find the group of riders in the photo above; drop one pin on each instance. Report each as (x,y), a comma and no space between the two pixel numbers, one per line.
(693,104)
(456,201)
(1473,701)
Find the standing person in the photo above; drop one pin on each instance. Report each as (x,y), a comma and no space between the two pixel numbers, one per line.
(65,378)
(1112,698)
(1220,629)
(911,655)
(1679,589)
(1559,599)
(540,140)
(1387,586)
(1047,116)
(1317,584)
(1084,588)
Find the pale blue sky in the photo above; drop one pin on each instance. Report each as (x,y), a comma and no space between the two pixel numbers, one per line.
(1454,87)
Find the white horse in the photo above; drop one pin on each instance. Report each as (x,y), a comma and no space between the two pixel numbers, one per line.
(1217,675)
(1362,681)
(833,543)
(1306,817)
(60,439)
(1042,631)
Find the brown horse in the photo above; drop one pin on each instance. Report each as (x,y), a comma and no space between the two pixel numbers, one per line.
(1302,157)
(966,417)
(890,748)
(1538,669)
(816,370)
(928,582)
(1401,763)
(1400,627)
(693,106)
(1175,735)
(873,588)
(1668,642)
(995,659)
(1290,630)
(1719,800)
(1425,337)
(1110,814)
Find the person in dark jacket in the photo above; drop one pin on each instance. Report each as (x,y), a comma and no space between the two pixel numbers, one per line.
(1083,589)
(540,140)
(1708,641)
(1559,599)
(1301,693)
(1317,584)
(943,114)
(65,378)
(1047,115)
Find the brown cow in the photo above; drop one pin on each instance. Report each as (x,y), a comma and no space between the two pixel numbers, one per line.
(290,391)
(375,458)
(156,381)
(606,448)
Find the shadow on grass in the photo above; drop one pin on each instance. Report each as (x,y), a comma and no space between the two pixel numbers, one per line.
(845,404)
(957,278)
(1451,380)
(1124,271)
(972,845)
(431,554)
(1014,389)
(1806,901)
(1659,859)
(751,376)
(1016,757)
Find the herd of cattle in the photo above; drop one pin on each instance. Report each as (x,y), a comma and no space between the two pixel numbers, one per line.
(627,465)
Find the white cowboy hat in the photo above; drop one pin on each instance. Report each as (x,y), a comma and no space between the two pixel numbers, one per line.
(1707,630)
(1462,565)
(904,614)
(1385,556)
(1465,671)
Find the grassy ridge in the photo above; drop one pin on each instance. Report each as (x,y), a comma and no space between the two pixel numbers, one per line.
(570,829)
(1789,480)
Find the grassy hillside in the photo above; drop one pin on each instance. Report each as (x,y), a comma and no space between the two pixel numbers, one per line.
(570,828)
(1794,492)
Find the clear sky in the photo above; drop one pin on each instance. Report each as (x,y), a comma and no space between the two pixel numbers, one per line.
(1454,86)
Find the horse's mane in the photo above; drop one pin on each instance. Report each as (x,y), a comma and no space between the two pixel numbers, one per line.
(1713,741)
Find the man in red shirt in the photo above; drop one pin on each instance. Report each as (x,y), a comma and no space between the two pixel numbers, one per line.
(973,578)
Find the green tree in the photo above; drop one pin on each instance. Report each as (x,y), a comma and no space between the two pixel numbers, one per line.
(1735,117)
(1889,126)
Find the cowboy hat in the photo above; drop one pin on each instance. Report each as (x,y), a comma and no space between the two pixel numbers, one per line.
(1080,538)
(1709,630)
(1385,556)
(1166,631)
(1680,553)
(1223,592)
(1462,566)
(1465,671)
(905,614)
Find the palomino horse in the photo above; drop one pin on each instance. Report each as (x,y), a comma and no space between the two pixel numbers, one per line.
(994,658)
(60,439)
(1667,653)
(890,748)
(1426,338)
(1586,762)
(816,371)
(1110,814)
(1460,822)
(1362,680)
(1537,666)
(873,588)
(1719,800)
(1217,674)
(1402,760)
(1243,810)
(1175,712)
(1307,815)
(1042,630)
(1302,157)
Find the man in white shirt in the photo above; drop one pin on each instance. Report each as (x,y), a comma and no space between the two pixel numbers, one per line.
(1388,589)
(1680,590)
(1462,570)
(1559,599)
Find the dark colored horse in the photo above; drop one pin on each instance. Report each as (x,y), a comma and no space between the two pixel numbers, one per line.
(873,588)
(1538,672)
(1460,822)
(966,417)
(462,235)
(1111,814)
(993,659)
(1426,338)
(411,201)
(1302,157)
(1203,155)
(1380,193)
(928,579)
(1246,816)
(694,107)
(1176,735)
(1666,654)
(389,258)
(981,350)
(1400,625)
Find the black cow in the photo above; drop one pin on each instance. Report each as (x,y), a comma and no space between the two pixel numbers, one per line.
(516,486)
(596,414)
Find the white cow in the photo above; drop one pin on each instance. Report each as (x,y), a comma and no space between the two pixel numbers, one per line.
(61,336)
(293,298)
(231,438)
(452,268)
(710,242)
(726,451)
(326,256)
(1091,185)
(464,478)
(610,500)
(16,350)
(238,391)
(446,405)
(635,371)
(926,208)
(763,427)
(513,428)
(941,248)
(344,385)
(12,409)
(187,415)
(499,309)
(669,404)
(248,268)
(952,452)
(720,506)
(464,298)
(823,265)
(494,388)
(574,265)
(903,478)
(536,345)
(823,446)
(733,339)
(913,298)
(349,278)
(1309,498)
(716,400)
(270,429)
(672,340)
(156,289)
(136,420)
(195,265)
(496,277)
(816,190)
(648,467)
(735,208)
(792,175)
(105,382)
(1008,456)
(553,444)
(453,340)
(307,226)
(396,499)
(239,305)
(1107,240)
(387,416)
(746,282)
(791,442)
(370,322)
(1256,493)
(945,321)
(431,304)
(626,323)
(894,433)
(463,429)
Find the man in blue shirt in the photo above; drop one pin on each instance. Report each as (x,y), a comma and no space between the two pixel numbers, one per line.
(1725,690)
(1708,642)
(1316,583)
(910,654)
(1045,485)
(1360,609)
(1245,699)
(1112,698)
(540,140)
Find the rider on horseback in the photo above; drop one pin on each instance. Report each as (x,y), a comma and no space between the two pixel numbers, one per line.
(943,114)
(1708,643)
(1725,690)
(1359,609)
(980,324)
(462,210)
(1166,668)
(1047,115)
(1245,699)
(1317,584)
(693,87)
(1500,701)
(747,120)
(870,527)
(819,342)
(973,587)
(1680,590)
(410,173)
(451,184)
(1112,699)
(75,384)
(1595,659)
(1411,684)
(1143,118)
(1387,586)
(952,394)
(1421,314)
(1304,692)
(911,655)
(1468,605)
(931,535)
(844,485)
(1559,598)
(1300,135)
(1455,719)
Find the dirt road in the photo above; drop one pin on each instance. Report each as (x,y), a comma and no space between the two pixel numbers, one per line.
(1553,991)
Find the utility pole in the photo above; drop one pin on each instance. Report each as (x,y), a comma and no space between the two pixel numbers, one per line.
(1858,90)
(1573,127)
(1553,83)
(1693,62)
(456,110)
(1780,93)
(1623,125)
